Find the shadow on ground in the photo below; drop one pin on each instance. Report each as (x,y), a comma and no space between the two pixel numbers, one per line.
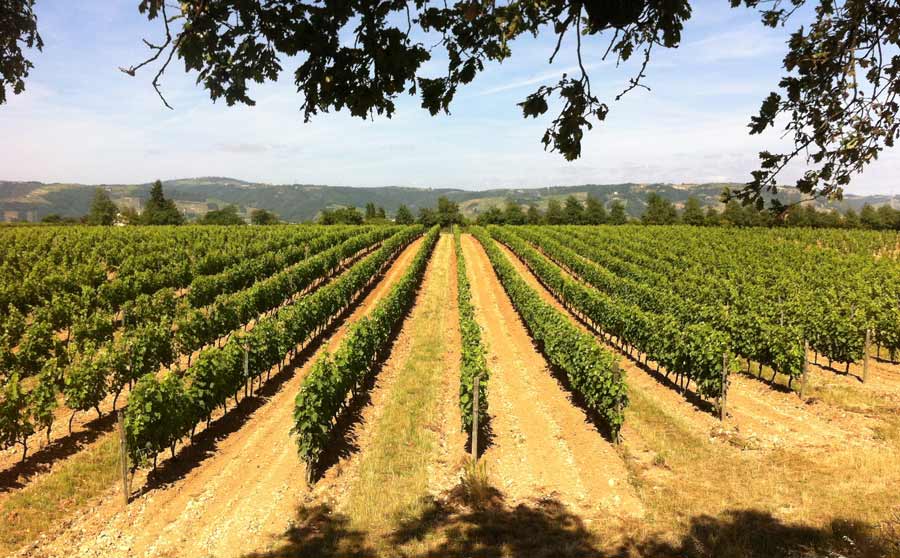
(21,473)
(546,528)
(758,534)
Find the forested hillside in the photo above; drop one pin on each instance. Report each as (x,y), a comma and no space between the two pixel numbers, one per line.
(31,201)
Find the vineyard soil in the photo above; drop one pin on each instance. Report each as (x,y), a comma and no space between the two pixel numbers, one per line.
(785,460)
(543,445)
(239,498)
(408,446)
(757,415)
(780,477)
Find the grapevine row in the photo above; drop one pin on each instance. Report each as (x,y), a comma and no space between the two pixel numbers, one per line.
(39,341)
(108,368)
(473,363)
(589,368)
(826,298)
(692,351)
(163,410)
(325,392)
(70,277)
(753,336)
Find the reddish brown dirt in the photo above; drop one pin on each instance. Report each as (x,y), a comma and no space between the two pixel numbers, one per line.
(238,500)
(543,446)
(757,414)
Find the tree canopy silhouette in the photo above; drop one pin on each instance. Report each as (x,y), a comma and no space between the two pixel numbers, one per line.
(103,210)
(159,210)
(838,97)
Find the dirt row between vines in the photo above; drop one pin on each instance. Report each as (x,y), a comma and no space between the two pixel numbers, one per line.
(543,446)
(239,498)
(407,449)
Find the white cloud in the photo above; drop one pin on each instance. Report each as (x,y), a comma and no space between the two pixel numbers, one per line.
(751,41)
(553,76)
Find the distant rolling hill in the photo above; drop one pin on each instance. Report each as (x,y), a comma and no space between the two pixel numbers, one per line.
(32,201)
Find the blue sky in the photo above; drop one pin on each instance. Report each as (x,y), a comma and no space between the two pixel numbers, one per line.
(82,120)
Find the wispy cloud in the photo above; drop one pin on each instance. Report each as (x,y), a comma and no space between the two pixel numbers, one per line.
(541,78)
(251,148)
(747,42)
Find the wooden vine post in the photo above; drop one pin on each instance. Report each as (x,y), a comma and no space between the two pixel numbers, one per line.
(123,458)
(724,395)
(247,368)
(866,347)
(310,473)
(617,373)
(475,411)
(805,368)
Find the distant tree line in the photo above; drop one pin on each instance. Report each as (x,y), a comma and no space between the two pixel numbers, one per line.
(570,212)
(446,213)
(158,211)
(660,211)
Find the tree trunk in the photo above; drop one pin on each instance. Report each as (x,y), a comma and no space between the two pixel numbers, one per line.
(71,418)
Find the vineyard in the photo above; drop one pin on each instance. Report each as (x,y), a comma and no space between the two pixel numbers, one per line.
(554,390)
